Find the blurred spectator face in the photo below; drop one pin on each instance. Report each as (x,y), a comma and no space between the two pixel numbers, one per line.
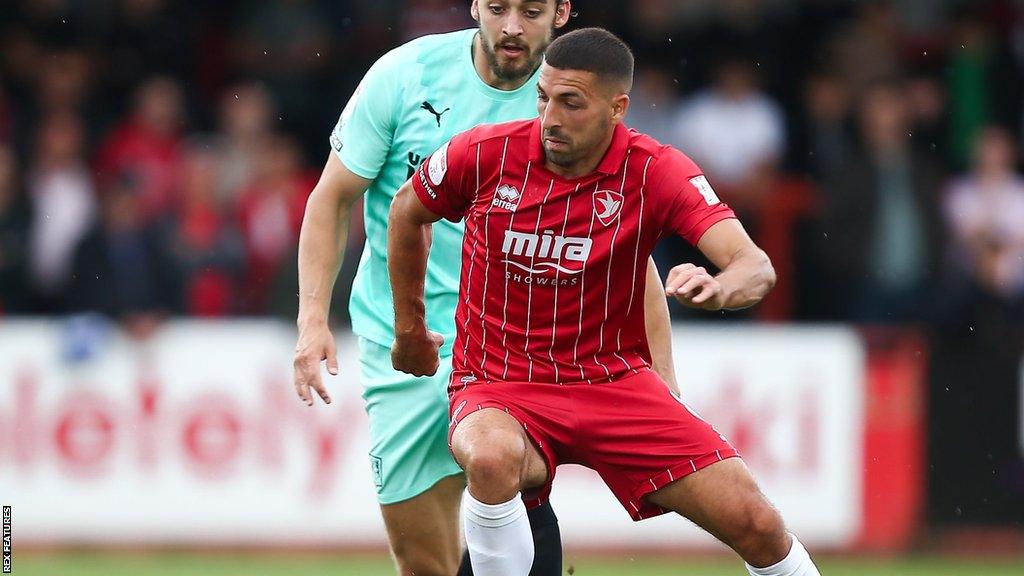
(6,117)
(883,116)
(827,99)
(158,106)
(655,84)
(879,17)
(971,33)
(246,111)
(64,79)
(742,13)
(656,18)
(736,80)
(995,153)
(199,176)
(7,177)
(60,139)
(925,100)
(121,208)
(432,16)
(514,34)
(20,53)
(279,159)
(136,10)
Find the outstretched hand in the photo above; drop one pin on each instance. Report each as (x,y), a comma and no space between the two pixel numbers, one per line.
(315,345)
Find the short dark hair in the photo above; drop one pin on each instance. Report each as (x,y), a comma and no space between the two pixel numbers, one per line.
(593,50)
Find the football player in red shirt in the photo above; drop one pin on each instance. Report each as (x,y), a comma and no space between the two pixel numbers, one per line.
(551,361)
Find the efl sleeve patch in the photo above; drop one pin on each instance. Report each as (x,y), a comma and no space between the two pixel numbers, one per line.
(704,187)
(438,165)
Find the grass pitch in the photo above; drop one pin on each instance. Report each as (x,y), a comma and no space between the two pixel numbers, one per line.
(260,564)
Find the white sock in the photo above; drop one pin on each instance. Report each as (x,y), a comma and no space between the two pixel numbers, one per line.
(796,563)
(498,537)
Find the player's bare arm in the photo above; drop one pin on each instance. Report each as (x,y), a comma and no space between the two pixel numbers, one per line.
(416,348)
(659,329)
(746,272)
(321,246)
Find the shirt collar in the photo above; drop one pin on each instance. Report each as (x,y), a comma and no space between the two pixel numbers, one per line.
(613,157)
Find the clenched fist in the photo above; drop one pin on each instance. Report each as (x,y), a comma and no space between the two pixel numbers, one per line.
(692,286)
(416,353)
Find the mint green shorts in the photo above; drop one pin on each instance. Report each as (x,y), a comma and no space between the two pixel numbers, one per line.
(408,425)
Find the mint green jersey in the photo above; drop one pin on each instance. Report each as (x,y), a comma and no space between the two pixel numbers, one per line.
(411,101)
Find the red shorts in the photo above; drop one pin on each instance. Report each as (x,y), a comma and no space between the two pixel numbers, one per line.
(631,431)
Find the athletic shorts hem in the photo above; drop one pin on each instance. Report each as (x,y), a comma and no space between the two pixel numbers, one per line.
(399,497)
(639,509)
(408,425)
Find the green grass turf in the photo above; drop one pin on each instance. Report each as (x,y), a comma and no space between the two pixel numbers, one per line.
(238,564)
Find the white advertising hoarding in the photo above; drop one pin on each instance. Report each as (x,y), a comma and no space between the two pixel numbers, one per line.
(789,399)
(196,437)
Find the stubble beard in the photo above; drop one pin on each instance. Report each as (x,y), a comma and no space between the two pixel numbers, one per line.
(514,73)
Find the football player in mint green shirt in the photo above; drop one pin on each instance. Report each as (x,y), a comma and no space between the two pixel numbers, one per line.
(410,102)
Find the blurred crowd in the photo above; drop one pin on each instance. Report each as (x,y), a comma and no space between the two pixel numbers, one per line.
(155,155)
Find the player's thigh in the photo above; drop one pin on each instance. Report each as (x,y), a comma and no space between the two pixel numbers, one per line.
(723,498)
(408,426)
(493,432)
(423,531)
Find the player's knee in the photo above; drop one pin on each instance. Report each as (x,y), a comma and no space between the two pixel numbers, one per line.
(495,460)
(760,534)
(764,522)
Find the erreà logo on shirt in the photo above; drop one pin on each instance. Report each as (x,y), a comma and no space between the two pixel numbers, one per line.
(507,197)
(546,252)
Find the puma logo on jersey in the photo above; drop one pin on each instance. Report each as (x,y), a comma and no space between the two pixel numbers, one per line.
(607,205)
(507,197)
(546,246)
(430,108)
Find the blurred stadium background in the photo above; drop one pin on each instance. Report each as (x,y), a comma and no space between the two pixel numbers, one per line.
(155,156)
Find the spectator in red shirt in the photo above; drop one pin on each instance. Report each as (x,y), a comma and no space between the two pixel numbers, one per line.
(6,118)
(270,211)
(14,222)
(245,119)
(147,144)
(204,245)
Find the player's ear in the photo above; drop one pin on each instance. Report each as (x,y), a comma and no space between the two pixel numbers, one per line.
(562,12)
(474,10)
(620,106)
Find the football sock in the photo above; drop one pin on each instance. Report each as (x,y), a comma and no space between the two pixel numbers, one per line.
(796,563)
(465,566)
(498,537)
(547,543)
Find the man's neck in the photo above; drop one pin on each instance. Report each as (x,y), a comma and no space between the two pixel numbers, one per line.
(484,71)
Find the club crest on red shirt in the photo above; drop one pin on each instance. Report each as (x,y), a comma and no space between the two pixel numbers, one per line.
(607,205)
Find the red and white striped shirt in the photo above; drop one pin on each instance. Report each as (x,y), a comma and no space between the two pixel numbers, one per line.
(554,269)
